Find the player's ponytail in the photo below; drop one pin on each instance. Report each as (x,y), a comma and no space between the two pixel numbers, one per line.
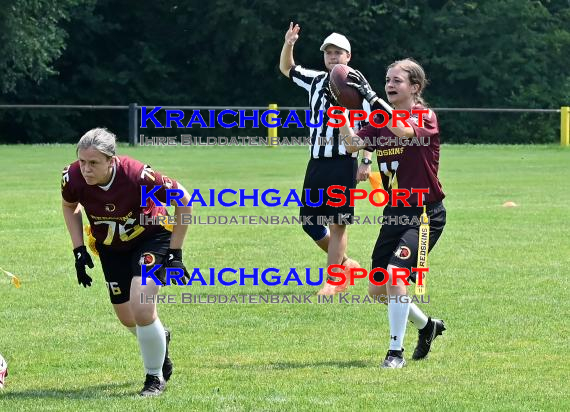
(416,75)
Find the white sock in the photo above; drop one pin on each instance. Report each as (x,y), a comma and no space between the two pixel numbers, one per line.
(132,329)
(417,317)
(398,318)
(152,342)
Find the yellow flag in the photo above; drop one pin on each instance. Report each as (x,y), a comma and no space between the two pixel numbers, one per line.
(15,281)
(376,183)
(167,226)
(90,240)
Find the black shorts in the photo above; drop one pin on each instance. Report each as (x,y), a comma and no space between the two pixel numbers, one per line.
(397,244)
(120,267)
(322,173)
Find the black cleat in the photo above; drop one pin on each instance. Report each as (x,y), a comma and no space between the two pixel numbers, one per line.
(426,336)
(394,360)
(167,365)
(153,386)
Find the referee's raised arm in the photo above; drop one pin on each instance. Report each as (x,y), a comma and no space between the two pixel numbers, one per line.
(286,61)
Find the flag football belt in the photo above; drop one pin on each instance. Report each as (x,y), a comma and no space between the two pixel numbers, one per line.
(423,246)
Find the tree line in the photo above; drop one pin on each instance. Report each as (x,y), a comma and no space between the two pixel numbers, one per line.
(487,53)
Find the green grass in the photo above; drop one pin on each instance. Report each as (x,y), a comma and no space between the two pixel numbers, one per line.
(496,278)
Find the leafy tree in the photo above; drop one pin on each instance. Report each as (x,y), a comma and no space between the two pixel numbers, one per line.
(504,53)
(31,39)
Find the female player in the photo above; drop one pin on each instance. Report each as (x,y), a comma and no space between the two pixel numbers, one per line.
(109,189)
(403,165)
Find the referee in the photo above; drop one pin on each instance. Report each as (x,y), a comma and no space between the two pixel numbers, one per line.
(330,163)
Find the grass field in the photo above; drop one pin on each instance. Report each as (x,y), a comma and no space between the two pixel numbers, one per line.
(497,278)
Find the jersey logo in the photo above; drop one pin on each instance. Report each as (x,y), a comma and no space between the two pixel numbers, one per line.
(403,252)
(110,207)
(147,172)
(147,259)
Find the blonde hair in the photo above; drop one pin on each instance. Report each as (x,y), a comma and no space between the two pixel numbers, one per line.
(100,139)
(416,75)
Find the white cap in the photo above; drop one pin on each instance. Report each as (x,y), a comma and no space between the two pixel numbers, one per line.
(337,40)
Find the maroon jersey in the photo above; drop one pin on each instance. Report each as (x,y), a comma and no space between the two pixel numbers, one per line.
(114,210)
(412,166)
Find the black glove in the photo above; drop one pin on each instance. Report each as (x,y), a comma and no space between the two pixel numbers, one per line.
(82,259)
(360,83)
(173,260)
(363,87)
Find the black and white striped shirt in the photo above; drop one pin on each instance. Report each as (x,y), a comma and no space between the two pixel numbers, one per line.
(314,82)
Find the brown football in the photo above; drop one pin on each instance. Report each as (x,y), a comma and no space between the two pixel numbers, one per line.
(344,94)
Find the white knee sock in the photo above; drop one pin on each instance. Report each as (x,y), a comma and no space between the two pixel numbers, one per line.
(132,329)
(398,317)
(152,342)
(417,317)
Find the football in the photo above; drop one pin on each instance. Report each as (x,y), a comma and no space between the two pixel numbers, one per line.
(344,94)
(3,371)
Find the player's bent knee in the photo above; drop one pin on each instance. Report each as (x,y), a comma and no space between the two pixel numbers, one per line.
(145,320)
(377,291)
(316,232)
(338,230)
(128,324)
(396,283)
(124,314)
(144,314)
(140,291)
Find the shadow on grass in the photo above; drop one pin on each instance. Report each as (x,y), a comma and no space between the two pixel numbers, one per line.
(295,365)
(331,364)
(86,392)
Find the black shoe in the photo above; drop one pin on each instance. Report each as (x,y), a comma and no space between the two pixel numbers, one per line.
(153,386)
(394,360)
(167,365)
(426,336)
